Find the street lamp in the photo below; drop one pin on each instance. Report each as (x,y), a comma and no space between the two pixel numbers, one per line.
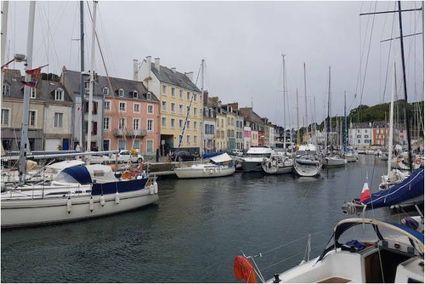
(17,58)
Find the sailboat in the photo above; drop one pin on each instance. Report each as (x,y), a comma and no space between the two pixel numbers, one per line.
(280,163)
(331,159)
(77,191)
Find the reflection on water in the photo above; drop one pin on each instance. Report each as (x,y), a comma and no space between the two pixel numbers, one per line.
(194,232)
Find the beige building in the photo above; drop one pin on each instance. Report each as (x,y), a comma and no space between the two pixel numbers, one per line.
(181,105)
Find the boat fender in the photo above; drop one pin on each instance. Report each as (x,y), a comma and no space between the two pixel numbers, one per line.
(91,204)
(102,200)
(68,205)
(117,198)
(211,171)
(151,189)
(155,187)
(216,170)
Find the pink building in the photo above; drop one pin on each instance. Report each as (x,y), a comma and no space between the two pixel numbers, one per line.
(131,116)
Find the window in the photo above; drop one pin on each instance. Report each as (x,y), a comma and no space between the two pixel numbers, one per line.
(164,89)
(365,131)
(58,121)
(59,94)
(150,108)
(136,123)
(149,125)
(164,106)
(194,97)
(6,90)
(181,94)
(149,146)
(94,111)
(181,108)
(188,124)
(136,108)
(87,86)
(195,139)
(123,107)
(188,139)
(194,124)
(106,122)
(163,122)
(366,136)
(121,144)
(33,94)
(358,141)
(180,123)
(136,144)
(135,94)
(188,95)
(94,127)
(107,105)
(173,122)
(32,118)
(121,92)
(173,92)
(121,123)
(194,111)
(105,92)
(105,145)
(173,107)
(5,117)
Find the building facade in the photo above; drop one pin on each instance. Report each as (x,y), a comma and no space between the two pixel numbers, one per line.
(181,105)
(360,134)
(209,123)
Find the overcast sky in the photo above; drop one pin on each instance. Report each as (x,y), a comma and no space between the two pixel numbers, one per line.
(242,43)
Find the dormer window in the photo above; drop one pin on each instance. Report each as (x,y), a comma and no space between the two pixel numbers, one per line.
(33,94)
(6,90)
(121,92)
(105,91)
(149,96)
(59,94)
(135,94)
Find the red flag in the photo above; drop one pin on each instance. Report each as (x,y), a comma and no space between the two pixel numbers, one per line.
(35,73)
(365,195)
(31,84)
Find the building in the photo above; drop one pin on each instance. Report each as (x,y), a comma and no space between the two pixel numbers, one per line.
(131,116)
(253,124)
(231,127)
(209,123)
(181,104)
(380,132)
(360,134)
(221,129)
(71,82)
(58,109)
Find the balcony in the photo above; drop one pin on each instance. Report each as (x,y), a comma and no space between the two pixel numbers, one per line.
(120,132)
(138,133)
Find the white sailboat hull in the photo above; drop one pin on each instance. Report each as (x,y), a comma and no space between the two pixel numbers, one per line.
(307,170)
(334,162)
(204,171)
(32,212)
(277,166)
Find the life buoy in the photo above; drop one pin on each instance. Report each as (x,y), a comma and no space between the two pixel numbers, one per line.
(418,162)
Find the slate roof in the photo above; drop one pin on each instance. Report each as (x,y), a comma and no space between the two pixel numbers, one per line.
(166,75)
(71,80)
(45,89)
(250,115)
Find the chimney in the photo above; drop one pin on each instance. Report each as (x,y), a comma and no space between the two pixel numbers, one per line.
(173,69)
(205,98)
(135,70)
(189,75)
(157,66)
(149,65)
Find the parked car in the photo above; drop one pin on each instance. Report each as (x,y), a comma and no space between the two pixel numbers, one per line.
(181,155)
(127,155)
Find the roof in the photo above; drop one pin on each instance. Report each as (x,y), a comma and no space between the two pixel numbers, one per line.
(166,75)
(249,114)
(45,89)
(71,81)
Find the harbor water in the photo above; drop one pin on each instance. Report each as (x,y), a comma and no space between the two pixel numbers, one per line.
(194,232)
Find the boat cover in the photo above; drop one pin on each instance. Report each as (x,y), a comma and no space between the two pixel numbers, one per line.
(411,187)
(211,154)
(79,173)
(221,158)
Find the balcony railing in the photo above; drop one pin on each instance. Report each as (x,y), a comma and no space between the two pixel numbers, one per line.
(138,133)
(130,133)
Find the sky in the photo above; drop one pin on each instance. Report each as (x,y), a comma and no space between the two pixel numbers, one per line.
(242,44)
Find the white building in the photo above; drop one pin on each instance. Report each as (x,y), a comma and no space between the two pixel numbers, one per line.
(360,134)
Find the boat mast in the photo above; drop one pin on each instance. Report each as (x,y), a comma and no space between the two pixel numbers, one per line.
(345,121)
(27,92)
(82,145)
(4,17)
(89,124)
(390,135)
(298,119)
(202,98)
(284,102)
(305,94)
(329,118)
(409,146)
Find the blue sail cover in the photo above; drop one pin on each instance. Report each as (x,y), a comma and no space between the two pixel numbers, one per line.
(79,173)
(410,188)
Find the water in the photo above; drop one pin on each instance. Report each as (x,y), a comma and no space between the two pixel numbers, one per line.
(194,232)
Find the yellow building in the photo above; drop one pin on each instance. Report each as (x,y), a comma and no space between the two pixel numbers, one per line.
(221,130)
(180,102)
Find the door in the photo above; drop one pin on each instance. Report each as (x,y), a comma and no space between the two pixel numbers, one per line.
(65,144)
